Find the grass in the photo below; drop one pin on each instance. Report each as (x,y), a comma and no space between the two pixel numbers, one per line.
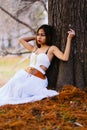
(9,65)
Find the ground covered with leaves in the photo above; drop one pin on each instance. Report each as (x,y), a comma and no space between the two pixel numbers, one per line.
(67,111)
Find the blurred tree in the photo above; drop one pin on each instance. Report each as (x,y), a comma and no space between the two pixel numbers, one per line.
(62,14)
(15,18)
(20,17)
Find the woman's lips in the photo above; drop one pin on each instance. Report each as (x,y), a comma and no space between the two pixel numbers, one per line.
(38,40)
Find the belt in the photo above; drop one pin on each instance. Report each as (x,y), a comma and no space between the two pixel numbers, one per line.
(35,72)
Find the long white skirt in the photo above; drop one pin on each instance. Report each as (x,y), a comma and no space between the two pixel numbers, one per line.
(24,88)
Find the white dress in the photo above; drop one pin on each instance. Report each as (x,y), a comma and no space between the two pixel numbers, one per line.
(24,87)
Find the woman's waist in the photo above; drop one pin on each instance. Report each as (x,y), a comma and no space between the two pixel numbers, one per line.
(35,72)
(37,67)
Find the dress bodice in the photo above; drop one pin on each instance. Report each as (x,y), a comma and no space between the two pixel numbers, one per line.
(37,61)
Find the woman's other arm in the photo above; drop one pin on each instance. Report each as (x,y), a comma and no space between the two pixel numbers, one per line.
(24,41)
(59,54)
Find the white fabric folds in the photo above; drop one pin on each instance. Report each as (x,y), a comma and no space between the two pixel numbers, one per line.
(24,88)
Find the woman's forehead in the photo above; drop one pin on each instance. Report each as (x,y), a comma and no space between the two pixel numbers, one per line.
(41,31)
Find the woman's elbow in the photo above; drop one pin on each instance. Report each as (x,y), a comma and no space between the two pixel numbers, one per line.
(20,40)
(65,58)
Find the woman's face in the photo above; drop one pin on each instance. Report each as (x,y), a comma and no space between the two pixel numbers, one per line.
(41,37)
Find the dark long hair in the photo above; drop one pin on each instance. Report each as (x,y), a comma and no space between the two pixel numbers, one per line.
(49,32)
(50,36)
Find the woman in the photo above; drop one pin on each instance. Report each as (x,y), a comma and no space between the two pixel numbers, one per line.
(31,84)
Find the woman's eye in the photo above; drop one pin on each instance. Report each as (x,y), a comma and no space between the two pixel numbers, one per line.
(41,35)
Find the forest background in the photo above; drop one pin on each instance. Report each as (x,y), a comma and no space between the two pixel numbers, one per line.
(18,18)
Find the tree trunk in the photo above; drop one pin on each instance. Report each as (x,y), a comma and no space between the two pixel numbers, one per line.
(61,13)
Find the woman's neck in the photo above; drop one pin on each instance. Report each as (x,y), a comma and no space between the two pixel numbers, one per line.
(44,46)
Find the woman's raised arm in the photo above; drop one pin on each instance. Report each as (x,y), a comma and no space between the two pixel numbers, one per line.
(24,41)
(59,54)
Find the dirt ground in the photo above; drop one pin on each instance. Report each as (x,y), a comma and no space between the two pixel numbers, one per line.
(67,111)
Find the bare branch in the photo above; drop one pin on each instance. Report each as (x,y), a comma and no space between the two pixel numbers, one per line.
(43,4)
(5,52)
(16,19)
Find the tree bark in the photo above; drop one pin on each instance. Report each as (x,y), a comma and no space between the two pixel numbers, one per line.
(60,15)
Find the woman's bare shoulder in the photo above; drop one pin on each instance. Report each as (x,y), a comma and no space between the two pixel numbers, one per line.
(53,47)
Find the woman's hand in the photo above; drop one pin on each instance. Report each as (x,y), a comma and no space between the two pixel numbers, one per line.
(71,34)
